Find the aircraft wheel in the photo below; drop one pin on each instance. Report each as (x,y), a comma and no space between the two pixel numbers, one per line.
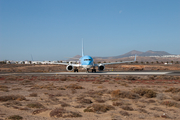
(75,70)
(93,70)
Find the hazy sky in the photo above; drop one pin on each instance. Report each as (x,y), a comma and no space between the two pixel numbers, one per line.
(53,29)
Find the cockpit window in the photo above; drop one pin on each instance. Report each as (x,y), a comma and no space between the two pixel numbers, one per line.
(87,59)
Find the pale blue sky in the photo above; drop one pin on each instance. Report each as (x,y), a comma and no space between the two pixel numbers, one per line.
(53,29)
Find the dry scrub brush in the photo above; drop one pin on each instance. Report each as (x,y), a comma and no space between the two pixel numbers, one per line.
(12,97)
(35,105)
(61,112)
(145,92)
(99,108)
(15,117)
(173,90)
(124,94)
(4,88)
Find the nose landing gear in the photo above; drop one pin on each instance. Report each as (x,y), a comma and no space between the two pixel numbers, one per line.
(93,70)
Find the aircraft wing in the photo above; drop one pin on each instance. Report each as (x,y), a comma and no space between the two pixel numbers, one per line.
(75,65)
(61,63)
(115,62)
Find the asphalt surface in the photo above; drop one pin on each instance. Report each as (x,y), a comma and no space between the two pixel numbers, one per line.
(101,73)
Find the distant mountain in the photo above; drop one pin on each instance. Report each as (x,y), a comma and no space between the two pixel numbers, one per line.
(147,53)
(154,53)
(132,53)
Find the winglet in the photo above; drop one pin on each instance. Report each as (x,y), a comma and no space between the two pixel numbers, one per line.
(82,48)
(135,58)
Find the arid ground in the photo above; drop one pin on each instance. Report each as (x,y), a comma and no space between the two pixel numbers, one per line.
(89,97)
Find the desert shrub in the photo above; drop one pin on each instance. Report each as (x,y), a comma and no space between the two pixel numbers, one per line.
(173,90)
(33,95)
(126,107)
(26,82)
(4,88)
(99,100)
(39,111)
(156,115)
(99,108)
(9,104)
(124,113)
(85,101)
(48,86)
(61,88)
(145,92)
(54,95)
(15,117)
(115,93)
(142,110)
(63,104)
(157,109)
(12,97)
(97,82)
(151,101)
(73,91)
(118,103)
(35,105)
(131,77)
(160,96)
(170,104)
(74,86)
(97,93)
(61,112)
(176,97)
(79,106)
(124,94)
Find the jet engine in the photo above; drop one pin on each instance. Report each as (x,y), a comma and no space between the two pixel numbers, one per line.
(69,68)
(101,67)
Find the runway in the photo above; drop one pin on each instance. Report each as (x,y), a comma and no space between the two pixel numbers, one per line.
(100,73)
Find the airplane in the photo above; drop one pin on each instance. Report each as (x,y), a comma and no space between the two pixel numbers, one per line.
(87,63)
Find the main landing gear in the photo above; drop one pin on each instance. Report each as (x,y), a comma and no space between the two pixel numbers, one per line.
(75,70)
(93,70)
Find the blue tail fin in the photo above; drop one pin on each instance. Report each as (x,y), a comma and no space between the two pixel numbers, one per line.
(82,48)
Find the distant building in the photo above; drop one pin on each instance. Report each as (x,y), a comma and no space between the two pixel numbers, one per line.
(26,62)
(168,63)
(10,62)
